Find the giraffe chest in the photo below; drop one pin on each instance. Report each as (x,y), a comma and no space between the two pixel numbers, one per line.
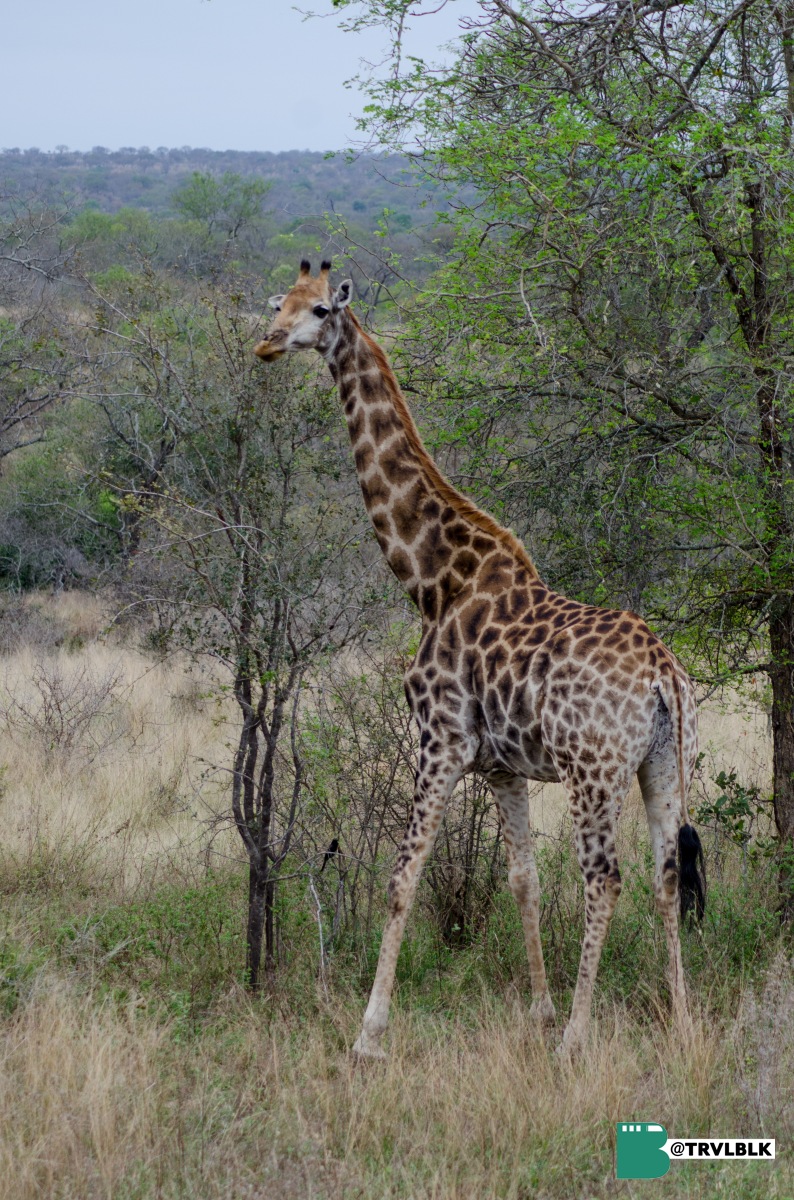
(509,708)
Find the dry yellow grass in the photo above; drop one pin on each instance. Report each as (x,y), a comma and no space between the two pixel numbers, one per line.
(102,1095)
(130,794)
(100,1102)
(78,1093)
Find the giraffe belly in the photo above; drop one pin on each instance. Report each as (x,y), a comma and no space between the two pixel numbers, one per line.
(530,760)
(510,734)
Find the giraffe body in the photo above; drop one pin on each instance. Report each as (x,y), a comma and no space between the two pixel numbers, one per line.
(511,680)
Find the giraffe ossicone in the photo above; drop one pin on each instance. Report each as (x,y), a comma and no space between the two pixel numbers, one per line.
(511,680)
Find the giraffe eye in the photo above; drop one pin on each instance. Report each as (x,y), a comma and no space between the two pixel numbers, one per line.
(321,310)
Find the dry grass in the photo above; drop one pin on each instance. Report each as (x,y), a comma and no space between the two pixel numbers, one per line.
(101,1102)
(107,1091)
(78,1093)
(120,800)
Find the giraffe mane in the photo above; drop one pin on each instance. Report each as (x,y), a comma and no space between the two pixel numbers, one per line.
(465,507)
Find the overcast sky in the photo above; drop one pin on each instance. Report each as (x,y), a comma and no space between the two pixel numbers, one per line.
(226,74)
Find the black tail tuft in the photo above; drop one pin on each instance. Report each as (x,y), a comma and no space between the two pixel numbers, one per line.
(691,872)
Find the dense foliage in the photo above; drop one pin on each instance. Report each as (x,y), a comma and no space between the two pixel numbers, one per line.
(302,183)
(612,331)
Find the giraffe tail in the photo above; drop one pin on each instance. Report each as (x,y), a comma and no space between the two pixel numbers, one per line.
(691,873)
(691,867)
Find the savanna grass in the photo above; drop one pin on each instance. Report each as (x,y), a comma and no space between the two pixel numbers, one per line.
(136,1065)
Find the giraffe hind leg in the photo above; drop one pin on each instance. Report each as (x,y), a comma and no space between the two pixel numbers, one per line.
(594,813)
(658,777)
(522,875)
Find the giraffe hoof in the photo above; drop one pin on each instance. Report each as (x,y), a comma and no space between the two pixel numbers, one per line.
(542,1011)
(367,1048)
(570,1046)
(682,1022)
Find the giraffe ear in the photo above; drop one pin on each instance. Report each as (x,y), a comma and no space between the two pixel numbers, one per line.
(342,294)
(276,302)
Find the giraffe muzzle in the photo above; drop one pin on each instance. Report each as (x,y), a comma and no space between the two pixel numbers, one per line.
(269,351)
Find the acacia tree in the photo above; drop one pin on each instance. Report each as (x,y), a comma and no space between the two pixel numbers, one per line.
(225,213)
(227,204)
(617,324)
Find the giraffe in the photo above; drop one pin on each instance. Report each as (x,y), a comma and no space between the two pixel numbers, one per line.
(511,680)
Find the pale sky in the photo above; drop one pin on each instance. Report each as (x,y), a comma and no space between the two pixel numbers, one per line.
(225,74)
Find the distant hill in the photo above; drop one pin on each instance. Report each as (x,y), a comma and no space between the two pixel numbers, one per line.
(303,183)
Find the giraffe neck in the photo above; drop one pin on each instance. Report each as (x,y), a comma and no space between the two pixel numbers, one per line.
(432,537)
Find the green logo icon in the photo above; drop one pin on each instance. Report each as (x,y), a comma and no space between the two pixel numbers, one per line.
(639,1150)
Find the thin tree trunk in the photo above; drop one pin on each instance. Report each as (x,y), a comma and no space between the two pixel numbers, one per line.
(270,934)
(257,888)
(782,677)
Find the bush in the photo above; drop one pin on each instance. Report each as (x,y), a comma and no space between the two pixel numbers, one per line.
(70,710)
(179,949)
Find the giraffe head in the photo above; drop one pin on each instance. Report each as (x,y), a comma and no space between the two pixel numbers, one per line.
(307,316)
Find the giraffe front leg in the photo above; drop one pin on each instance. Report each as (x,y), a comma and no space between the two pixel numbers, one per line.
(522,875)
(430,800)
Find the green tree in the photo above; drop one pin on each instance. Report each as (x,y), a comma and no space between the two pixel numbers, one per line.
(225,205)
(618,320)
(35,372)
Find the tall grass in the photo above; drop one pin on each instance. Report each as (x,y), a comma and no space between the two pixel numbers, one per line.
(135,1065)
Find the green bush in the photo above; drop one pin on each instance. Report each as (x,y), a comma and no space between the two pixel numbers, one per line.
(180,948)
